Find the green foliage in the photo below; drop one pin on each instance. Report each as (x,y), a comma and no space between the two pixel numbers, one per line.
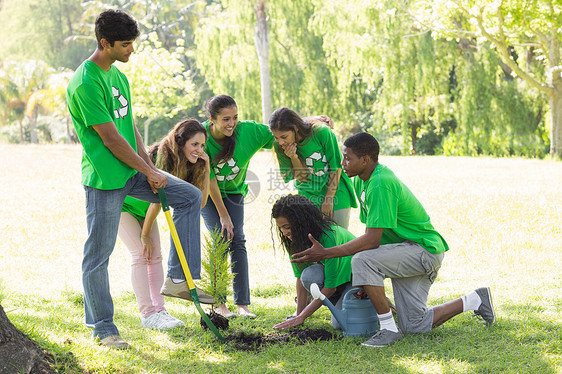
(45,30)
(161,85)
(226,55)
(400,70)
(217,276)
(33,101)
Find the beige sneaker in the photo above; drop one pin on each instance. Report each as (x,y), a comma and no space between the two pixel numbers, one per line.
(181,290)
(115,342)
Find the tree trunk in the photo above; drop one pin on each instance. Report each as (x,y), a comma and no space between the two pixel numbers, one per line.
(21,131)
(555,101)
(33,125)
(18,354)
(262,48)
(146,128)
(68,139)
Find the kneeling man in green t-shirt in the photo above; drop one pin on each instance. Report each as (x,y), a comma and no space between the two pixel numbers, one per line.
(399,243)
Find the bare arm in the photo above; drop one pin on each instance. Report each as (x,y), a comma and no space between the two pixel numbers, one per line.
(302,294)
(300,172)
(147,244)
(306,312)
(124,152)
(328,203)
(371,239)
(322,118)
(226,222)
(206,181)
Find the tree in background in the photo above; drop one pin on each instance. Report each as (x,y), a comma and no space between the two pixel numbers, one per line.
(428,93)
(166,83)
(22,88)
(262,49)
(227,56)
(524,34)
(161,86)
(44,30)
(423,77)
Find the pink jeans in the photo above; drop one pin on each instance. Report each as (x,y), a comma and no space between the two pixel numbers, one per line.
(147,277)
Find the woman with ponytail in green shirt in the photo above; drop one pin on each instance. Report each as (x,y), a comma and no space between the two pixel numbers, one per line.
(231,144)
(310,154)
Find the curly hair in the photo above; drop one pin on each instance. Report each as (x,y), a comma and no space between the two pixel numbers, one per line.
(168,153)
(304,218)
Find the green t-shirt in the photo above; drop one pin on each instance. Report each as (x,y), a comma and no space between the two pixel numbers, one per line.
(321,154)
(231,175)
(136,207)
(337,271)
(95,96)
(387,203)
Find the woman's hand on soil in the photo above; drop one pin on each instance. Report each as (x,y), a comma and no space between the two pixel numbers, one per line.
(297,321)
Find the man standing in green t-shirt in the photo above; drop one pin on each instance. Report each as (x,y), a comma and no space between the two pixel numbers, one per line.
(115,164)
(399,243)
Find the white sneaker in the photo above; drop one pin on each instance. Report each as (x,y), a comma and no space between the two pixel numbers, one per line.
(154,321)
(171,321)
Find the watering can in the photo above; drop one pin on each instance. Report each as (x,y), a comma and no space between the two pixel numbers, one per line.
(357,317)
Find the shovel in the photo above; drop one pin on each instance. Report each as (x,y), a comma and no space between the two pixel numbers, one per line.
(181,255)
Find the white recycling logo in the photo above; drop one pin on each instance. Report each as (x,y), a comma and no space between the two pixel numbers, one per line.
(234,170)
(362,199)
(317,156)
(123,104)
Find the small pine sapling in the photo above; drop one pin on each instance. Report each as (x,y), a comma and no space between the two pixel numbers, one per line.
(217,276)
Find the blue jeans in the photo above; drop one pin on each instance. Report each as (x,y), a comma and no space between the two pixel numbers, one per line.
(103,211)
(238,256)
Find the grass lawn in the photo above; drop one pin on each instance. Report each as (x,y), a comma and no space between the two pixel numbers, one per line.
(502,219)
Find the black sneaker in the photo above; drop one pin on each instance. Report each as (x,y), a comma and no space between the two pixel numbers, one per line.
(383,338)
(486,309)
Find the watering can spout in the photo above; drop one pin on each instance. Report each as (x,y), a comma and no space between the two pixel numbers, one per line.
(338,314)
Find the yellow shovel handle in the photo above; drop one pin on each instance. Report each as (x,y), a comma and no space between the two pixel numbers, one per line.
(179,250)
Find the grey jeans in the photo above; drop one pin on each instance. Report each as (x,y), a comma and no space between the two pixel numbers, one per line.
(315,274)
(412,270)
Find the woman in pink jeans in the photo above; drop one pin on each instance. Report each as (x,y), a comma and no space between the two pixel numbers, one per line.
(181,153)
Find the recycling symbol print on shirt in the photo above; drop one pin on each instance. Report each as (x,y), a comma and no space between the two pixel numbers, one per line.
(123,104)
(226,170)
(362,200)
(317,164)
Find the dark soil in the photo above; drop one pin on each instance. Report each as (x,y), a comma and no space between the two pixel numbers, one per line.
(243,341)
(220,321)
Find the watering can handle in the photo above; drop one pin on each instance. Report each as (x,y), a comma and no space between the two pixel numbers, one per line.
(315,292)
(349,295)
